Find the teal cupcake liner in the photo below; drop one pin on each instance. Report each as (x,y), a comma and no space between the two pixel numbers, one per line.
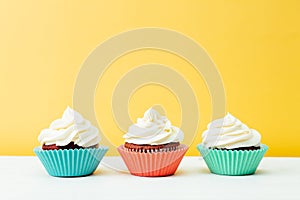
(71,162)
(232,162)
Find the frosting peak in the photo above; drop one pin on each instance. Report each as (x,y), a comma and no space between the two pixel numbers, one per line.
(229,133)
(153,129)
(71,127)
(150,115)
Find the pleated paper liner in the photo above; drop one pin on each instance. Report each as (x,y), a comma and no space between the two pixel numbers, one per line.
(71,162)
(150,164)
(232,162)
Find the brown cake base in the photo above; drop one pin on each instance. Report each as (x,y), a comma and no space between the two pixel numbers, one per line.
(69,146)
(147,148)
(240,148)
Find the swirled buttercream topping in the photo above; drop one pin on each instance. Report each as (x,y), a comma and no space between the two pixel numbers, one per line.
(229,133)
(71,127)
(153,129)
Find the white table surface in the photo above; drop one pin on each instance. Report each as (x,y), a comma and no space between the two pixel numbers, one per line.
(25,178)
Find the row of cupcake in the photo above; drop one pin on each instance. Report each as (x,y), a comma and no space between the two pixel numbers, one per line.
(70,146)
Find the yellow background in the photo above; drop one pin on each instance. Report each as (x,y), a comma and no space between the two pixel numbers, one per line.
(255,45)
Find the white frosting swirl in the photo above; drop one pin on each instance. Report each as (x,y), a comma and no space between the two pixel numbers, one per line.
(229,133)
(72,127)
(153,129)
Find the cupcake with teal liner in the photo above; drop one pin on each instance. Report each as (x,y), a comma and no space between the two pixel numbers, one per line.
(70,146)
(229,147)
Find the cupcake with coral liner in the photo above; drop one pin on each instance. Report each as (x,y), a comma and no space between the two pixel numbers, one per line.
(229,147)
(70,146)
(152,146)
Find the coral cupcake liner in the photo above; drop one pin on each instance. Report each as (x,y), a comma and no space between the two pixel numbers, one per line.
(71,162)
(232,162)
(151,164)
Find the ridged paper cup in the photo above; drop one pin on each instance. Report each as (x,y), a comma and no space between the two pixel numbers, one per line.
(71,162)
(151,164)
(232,162)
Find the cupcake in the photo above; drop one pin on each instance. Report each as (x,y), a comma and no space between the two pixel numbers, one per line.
(70,146)
(152,146)
(229,147)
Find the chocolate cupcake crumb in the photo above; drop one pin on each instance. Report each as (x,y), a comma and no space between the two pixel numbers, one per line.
(151,148)
(71,145)
(252,148)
